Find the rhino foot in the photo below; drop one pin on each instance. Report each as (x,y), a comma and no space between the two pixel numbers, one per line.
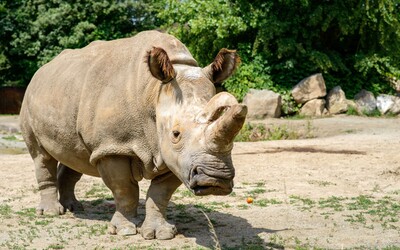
(72,205)
(158,230)
(50,208)
(123,225)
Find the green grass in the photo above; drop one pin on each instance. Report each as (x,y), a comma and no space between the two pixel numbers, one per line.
(257,191)
(333,202)
(258,132)
(99,191)
(10,138)
(305,203)
(362,209)
(266,202)
(5,210)
(351,110)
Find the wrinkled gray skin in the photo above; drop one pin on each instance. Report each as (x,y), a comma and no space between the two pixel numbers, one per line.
(127,109)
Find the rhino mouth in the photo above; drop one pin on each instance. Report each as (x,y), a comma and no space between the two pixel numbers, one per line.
(203,183)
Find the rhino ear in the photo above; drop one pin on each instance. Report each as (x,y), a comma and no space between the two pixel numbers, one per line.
(160,66)
(223,66)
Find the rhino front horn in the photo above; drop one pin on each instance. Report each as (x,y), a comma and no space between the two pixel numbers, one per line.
(226,119)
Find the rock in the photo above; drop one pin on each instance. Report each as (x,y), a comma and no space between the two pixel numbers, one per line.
(395,109)
(263,103)
(352,108)
(384,103)
(336,101)
(309,88)
(314,107)
(365,101)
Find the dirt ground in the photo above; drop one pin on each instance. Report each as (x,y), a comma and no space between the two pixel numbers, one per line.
(340,189)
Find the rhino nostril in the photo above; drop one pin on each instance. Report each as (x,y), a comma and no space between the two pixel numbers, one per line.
(193,172)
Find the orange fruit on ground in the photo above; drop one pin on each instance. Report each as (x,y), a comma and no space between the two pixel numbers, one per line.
(249,200)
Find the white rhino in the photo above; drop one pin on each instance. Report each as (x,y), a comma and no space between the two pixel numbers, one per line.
(127,109)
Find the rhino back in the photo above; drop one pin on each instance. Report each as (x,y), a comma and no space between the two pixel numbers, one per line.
(100,100)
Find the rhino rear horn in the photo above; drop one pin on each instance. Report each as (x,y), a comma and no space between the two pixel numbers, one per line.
(160,66)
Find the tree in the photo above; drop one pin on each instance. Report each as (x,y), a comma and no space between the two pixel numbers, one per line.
(34,31)
(354,43)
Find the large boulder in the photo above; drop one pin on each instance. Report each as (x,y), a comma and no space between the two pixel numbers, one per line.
(309,88)
(395,109)
(384,103)
(365,101)
(336,101)
(314,107)
(263,103)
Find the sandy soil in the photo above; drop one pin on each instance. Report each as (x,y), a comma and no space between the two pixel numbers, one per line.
(340,189)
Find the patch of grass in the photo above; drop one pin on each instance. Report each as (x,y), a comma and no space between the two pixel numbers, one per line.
(99,191)
(282,133)
(259,132)
(307,203)
(243,206)
(27,212)
(373,113)
(361,202)
(250,132)
(351,110)
(357,218)
(10,138)
(204,207)
(255,243)
(186,193)
(266,202)
(333,202)
(97,229)
(5,210)
(55,246)
(257,191)
(43,222)
(363,209)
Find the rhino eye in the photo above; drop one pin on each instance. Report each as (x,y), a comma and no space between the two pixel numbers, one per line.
(176,136)
(176,133)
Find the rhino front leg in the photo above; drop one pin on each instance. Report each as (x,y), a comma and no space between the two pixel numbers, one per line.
(155,224)
(117,175)
(66,180)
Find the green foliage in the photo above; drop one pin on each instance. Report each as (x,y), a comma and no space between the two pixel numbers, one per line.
(355,44)
(251,75)
(34,31)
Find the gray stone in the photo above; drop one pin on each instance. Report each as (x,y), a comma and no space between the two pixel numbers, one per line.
(395,109)
(309,88)
(336,101)
(263,103)
(365,101)
(384,103)
(315,107)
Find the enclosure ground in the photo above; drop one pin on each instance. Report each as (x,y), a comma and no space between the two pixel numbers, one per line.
(339,189)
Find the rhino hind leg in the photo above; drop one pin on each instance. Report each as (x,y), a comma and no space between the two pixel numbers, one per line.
(117,175)
(46,175)
(66,181)
(155,224)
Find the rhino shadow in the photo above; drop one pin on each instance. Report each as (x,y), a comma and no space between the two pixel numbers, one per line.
(208,227)
(211,227)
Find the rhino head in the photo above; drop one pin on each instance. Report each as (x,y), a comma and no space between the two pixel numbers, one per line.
(195,126)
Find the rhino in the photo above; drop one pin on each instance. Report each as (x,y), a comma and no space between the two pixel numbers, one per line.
(128,109)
